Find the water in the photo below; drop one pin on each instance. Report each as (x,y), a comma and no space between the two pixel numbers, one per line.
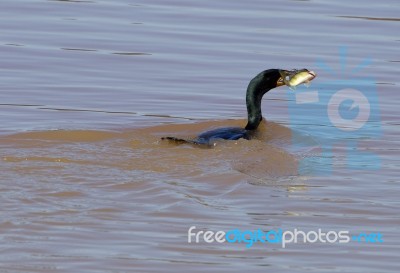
(89,87)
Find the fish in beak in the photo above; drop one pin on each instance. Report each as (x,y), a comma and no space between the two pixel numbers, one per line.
(293,78)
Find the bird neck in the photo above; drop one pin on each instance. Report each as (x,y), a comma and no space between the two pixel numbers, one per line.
(258,86)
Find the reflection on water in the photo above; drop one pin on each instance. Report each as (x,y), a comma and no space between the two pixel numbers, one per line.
(88,89)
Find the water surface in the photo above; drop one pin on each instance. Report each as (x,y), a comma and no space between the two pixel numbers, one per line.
(89,87)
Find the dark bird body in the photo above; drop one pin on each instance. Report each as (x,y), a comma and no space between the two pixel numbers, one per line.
(258,86)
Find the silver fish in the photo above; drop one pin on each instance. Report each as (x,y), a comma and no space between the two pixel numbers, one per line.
(293,78)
